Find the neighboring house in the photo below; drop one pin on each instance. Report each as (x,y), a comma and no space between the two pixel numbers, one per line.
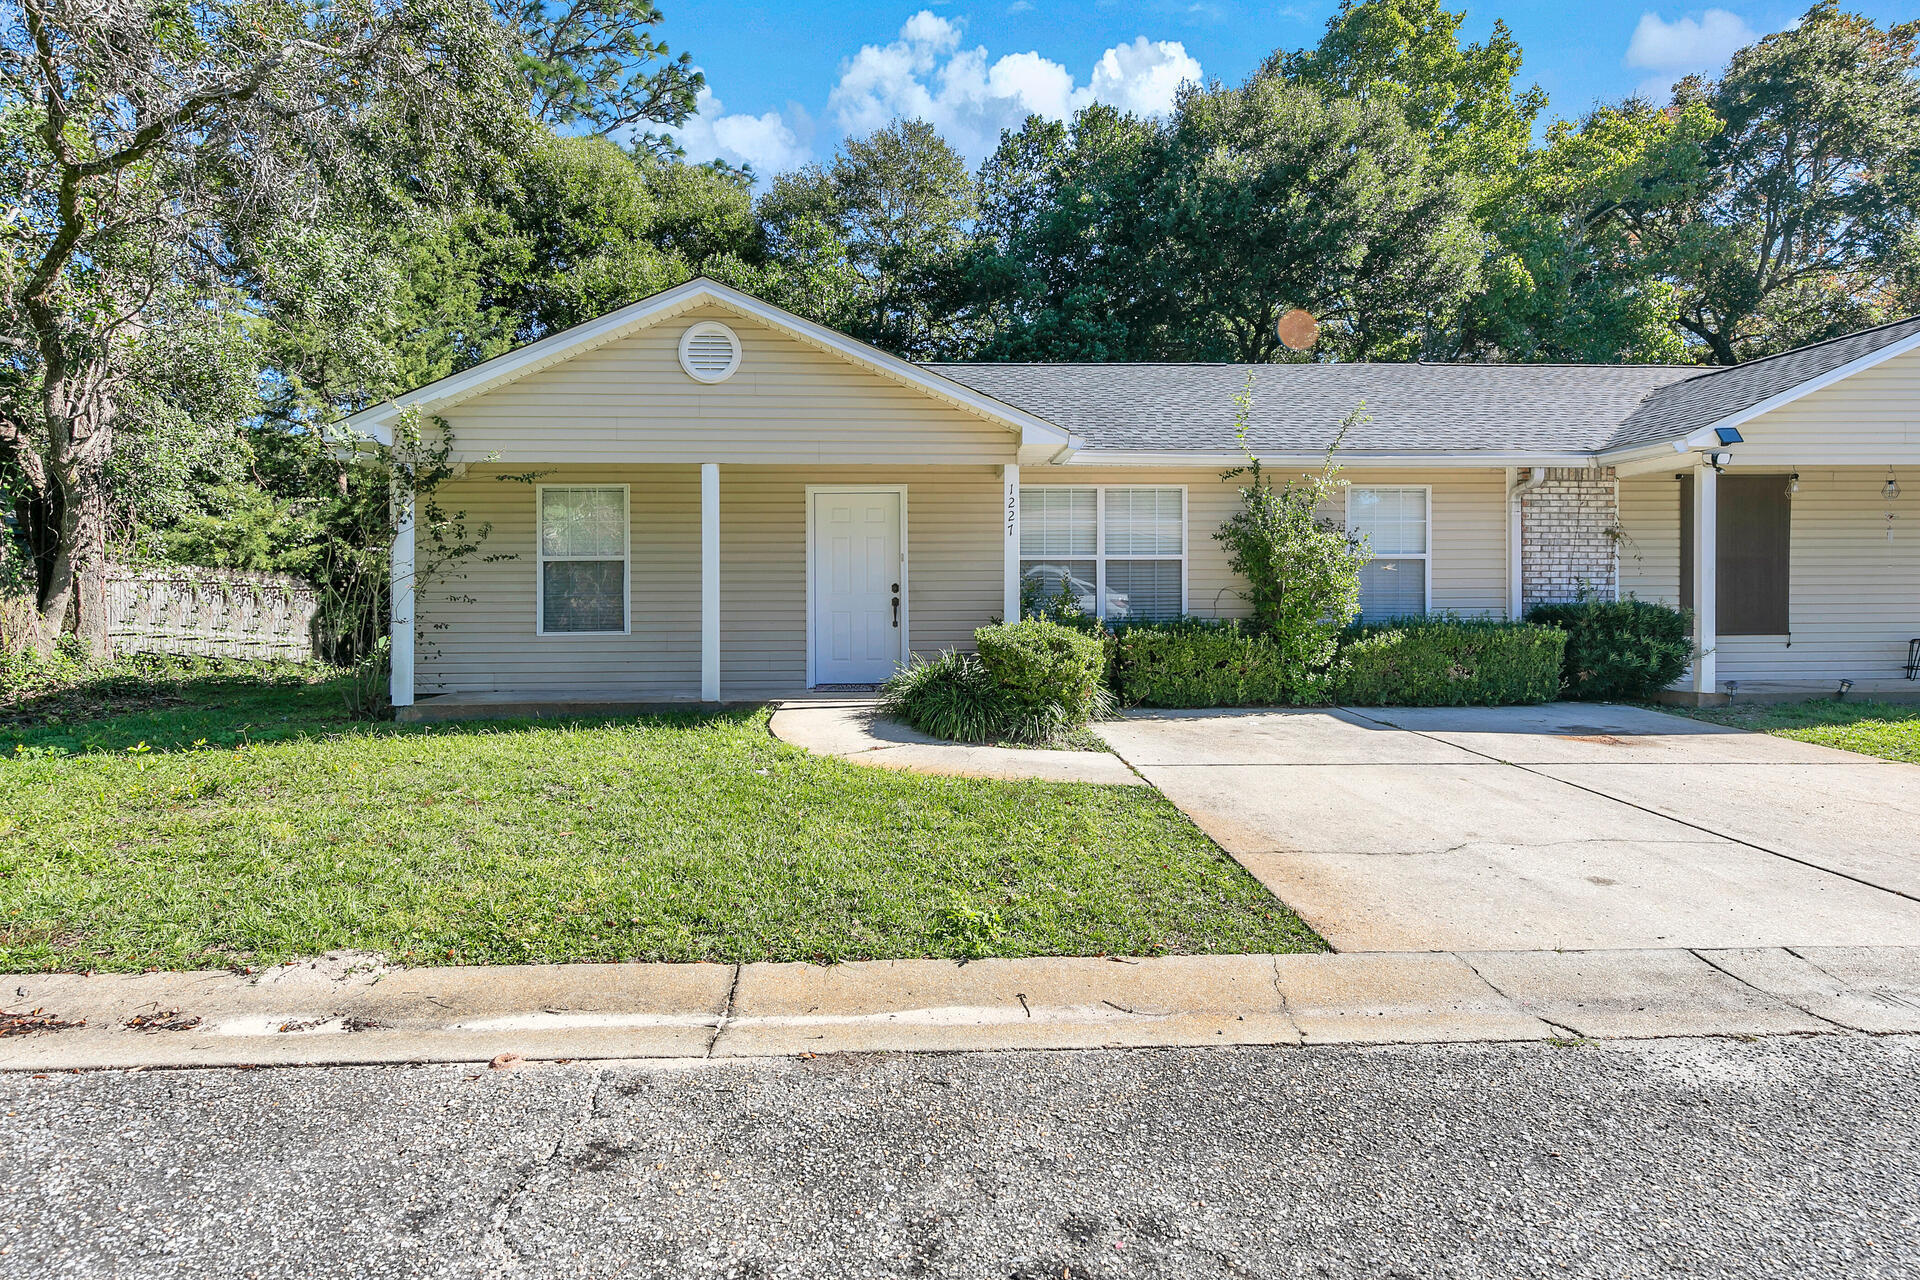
(703,497)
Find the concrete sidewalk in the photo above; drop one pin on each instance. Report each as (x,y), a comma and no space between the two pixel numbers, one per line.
(322,1013)
(853,729)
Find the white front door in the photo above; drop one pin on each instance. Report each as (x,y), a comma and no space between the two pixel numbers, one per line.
(858,575)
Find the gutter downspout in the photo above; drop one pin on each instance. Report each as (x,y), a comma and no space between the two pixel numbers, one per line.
(1516,584)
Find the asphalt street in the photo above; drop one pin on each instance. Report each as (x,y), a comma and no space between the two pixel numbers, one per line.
(1782,1157)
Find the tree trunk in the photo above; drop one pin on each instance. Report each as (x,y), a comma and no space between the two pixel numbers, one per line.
(90,564)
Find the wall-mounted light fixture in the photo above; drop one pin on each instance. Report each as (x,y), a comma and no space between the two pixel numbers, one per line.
(1891,489)
(1793,485)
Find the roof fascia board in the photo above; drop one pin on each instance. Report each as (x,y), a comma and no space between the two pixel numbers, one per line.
(1176,458)
(699,291)
(1704,437)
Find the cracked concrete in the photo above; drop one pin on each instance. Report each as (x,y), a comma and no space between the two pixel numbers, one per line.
(568,1012)
(1569,827)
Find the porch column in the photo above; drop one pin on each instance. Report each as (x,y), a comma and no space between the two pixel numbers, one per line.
(710,582)
(400,650)
(1010,542)
(1706,575)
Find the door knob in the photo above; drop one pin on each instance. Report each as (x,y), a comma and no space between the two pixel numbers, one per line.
(896,611)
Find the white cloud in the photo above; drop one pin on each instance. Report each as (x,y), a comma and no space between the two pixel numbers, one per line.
(767,141)
(1685,45)
(970,96)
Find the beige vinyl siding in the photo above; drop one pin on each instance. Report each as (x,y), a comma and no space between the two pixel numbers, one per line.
(1869,419)
(477,632)
(953,557)
(1854,596)
(1469,532)
(1650,547)
(789,403)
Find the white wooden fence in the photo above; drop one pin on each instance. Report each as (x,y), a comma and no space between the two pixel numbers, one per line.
(222,613)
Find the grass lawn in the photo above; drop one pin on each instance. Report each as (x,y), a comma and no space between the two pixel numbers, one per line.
(192,820)
(1887,729)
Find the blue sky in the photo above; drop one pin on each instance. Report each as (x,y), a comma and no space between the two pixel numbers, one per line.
(787,81)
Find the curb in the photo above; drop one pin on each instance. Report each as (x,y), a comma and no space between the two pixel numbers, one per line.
(313,1015)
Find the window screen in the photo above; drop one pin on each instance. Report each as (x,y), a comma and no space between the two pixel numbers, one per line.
(583,559)
(1755,540)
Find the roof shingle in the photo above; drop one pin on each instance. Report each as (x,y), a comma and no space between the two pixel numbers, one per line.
(1412,408)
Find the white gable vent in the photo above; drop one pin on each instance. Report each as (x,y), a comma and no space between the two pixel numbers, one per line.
(709,352)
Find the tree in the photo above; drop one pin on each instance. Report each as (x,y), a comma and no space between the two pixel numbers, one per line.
(1803,224)
(1277,197)
(597,64)
(148,154)
(1408,53)
(896,207)
(1569,280)
(1060,266)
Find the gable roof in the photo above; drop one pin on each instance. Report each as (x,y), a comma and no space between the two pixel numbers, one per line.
(1736,393)
(1479,410)
(1472,412)
(377,421)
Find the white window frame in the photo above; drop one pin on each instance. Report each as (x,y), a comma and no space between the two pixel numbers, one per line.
(1099,556)
(1426,556)
(541,559)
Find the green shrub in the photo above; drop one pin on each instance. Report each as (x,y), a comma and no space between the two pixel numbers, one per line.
(1619,650)
(1201,662)
(951,697)
(1041,663)
(1052,674)
(1449,662)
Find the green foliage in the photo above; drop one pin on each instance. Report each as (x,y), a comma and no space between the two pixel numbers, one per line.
(1301,566)
(1116,238)
(1449,662)
(1408,52)
(595,64)
(1619,650)
(951,697)
(1052,675)
(888,222)
(1197,662)
(1801,220)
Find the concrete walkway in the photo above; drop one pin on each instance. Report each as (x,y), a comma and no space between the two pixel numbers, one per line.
(853,730)
(326,1013)
(1564,827)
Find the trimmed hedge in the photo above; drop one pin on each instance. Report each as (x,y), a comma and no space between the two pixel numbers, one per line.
(1204,662)
(1449,662)
(1619,650)
(1051,674)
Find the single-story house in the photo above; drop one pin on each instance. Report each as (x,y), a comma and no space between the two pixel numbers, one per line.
(702,497)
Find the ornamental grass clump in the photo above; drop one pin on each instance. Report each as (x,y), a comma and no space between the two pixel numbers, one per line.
(951,696)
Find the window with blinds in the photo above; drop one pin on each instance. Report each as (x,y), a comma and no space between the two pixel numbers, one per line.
(1118,552)
(582,559)
(1396,522)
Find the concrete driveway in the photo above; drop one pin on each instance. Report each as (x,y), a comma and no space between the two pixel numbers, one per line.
(1570,826)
